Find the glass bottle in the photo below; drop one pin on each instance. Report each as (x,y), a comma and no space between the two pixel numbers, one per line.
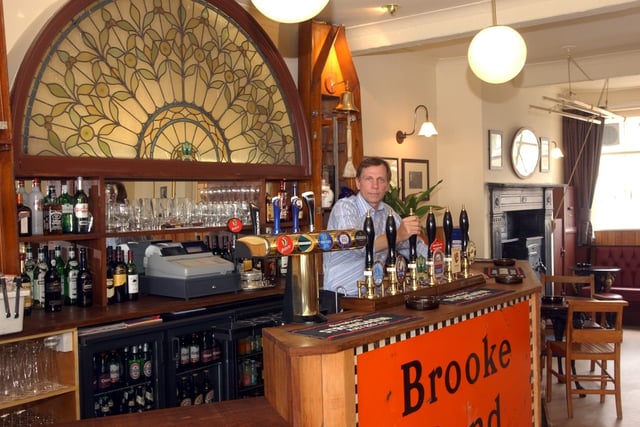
(114,368)
(25,225)
(284,202)
(111,293)
(66,202)
(194,351)
(132,278)
(22,190)
(84,282)
(198,397)
(206,351)
(71,271)
(52,288)
(30,267)
(52,216)
(134,365)
(119,276)
(60,266)
(36,203)
(147,356)
(207,390)
(81,208)
(184,353)
(184,398)
(42,266)
(25,280)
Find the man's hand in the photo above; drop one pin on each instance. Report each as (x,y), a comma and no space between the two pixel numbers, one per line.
(408,227)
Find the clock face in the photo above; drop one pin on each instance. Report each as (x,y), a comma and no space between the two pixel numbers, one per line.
(157,80)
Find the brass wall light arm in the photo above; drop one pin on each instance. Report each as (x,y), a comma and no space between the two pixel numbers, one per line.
(426,129)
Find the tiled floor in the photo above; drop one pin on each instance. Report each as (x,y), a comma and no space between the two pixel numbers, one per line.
(588,412)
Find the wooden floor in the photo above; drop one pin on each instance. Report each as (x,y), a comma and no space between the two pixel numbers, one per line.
(588,412)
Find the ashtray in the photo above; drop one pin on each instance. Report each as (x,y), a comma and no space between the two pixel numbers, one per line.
(549,299)
(504,262)
(422,302)
(508,279)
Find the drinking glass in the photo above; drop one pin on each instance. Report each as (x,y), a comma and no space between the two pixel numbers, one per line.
(50,369)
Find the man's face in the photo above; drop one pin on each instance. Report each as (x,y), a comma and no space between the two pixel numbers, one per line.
(373,184)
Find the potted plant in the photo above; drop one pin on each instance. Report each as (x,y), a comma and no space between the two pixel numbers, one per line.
(411,202)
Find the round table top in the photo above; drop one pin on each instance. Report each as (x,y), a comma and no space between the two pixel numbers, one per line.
(597,269)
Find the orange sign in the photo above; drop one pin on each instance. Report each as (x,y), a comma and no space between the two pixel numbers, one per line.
(475,373)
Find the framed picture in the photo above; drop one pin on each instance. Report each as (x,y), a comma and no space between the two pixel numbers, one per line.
(415,176)
(393,164)
(544,154)
(495,149)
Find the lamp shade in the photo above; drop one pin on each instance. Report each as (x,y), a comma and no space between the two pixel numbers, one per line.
(427,129)
(497,54)
(290,11)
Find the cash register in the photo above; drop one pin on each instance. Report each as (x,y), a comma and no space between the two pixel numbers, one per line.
(187,270)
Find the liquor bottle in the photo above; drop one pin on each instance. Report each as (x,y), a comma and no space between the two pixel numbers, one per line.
(133,365)
(184,353)
(119,276)
(52,215)
(197,396)
(140,404)
(42,266)
(132,278)
(66,204)
(114,368)
(148,398)
(284,201)
(52,288)
(111,293)
(81,208)
(104,378)
(216,351)
(147,357)
(207,390)
(25,226)
(25,280)
(36,200)
(22,190)
(30,267)
(60,266)
(184,392)
(194,351)
(206,350)
(70,281)
(84,283)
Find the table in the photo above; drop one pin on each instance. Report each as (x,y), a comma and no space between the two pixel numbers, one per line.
(604,276)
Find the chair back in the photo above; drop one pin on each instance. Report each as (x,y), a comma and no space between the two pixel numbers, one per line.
(569,285)
(595,339)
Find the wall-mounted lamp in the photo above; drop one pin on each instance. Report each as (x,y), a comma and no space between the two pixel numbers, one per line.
(556,152)
(497,53)
(426,129)
(290,11)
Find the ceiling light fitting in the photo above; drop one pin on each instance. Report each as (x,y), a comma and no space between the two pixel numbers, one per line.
(290,11)
(427,128)
(497,53)
(391,8)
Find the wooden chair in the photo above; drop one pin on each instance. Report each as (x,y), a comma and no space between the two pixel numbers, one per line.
(595,344)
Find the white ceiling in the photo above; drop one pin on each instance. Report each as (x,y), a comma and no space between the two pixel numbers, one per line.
(604,29)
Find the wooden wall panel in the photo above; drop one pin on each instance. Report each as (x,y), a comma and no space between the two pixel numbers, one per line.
(618,237)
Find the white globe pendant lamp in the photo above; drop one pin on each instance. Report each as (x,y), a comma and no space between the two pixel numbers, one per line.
(497,53)
(290,11)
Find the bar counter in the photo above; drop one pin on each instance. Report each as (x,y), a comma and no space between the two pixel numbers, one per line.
(469,364)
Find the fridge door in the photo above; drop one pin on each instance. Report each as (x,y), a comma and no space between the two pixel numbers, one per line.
(121,370)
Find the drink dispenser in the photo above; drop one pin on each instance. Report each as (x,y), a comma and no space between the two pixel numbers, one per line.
(301,303)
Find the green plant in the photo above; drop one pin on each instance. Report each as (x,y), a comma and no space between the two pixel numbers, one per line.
(411,202)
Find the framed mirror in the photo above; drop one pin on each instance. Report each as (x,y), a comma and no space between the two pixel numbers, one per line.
(525,152)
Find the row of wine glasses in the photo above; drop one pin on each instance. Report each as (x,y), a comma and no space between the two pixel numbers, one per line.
(28,368)
(24,418)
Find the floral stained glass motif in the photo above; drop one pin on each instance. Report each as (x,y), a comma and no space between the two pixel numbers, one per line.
(157,79)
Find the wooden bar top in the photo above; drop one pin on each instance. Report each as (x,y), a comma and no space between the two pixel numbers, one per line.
(253,412)
(147,305)
(298,345)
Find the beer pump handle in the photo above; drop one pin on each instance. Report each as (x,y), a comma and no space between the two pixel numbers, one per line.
(255,218)
(296,205)
(310,200)
(447,227)
(371,236)
(277,203)
(413,241)
(431,230)
(390,230)
(464,229)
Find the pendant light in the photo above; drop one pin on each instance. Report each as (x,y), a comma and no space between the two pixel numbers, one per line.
(290,11)
(497,53)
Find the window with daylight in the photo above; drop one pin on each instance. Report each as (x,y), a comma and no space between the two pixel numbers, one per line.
(616,201)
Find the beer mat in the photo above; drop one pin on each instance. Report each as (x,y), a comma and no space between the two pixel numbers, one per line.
(469,296)
(504,271)
(354,325)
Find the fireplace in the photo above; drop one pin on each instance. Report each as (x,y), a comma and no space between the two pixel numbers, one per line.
(521,225)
